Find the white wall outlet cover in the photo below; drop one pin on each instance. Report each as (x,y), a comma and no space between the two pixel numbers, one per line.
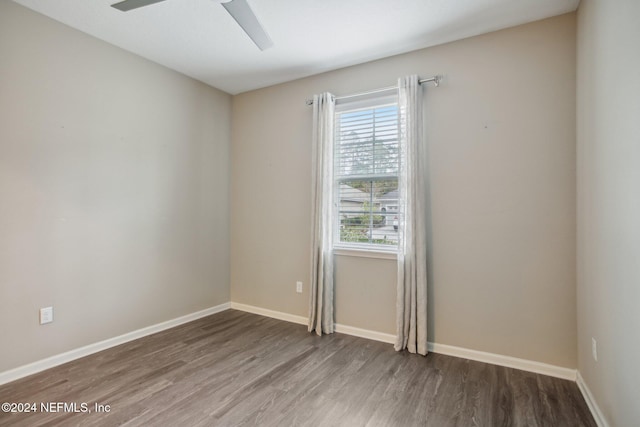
(299,287)
(46,315)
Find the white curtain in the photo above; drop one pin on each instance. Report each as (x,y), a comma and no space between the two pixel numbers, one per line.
(411,302)
(321,301)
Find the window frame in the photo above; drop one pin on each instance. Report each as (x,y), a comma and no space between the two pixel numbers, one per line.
(359,249)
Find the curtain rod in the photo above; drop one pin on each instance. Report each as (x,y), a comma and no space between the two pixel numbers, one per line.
(435,79)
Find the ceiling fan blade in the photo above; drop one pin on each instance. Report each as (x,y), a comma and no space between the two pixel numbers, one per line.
(244,16)
(133,4)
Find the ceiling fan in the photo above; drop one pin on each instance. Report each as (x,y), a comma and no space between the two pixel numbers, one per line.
(238,9)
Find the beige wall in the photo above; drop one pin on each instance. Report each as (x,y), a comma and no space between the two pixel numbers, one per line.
(113,190)
(608,135)
(501,141)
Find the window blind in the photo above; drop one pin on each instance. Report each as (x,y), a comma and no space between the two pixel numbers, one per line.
(366,176)
(367,143)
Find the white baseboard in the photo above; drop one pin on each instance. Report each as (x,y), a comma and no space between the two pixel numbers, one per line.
(270,313)
(365,333)
(480,356)
(343,329)
(598,416)
(59,359)
(501,360)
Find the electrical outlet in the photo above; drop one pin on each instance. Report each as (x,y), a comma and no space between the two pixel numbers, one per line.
(46,315)
(299,287)
(594,349)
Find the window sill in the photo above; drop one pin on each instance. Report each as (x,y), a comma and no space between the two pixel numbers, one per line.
(364,253)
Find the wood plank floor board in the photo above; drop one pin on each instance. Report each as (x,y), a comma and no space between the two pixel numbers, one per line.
(240,369)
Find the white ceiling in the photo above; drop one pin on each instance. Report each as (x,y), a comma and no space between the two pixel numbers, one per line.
(200,39)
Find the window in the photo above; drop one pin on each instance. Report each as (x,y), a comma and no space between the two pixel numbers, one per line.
(366,175)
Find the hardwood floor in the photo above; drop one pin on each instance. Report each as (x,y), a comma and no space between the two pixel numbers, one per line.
(235,368)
